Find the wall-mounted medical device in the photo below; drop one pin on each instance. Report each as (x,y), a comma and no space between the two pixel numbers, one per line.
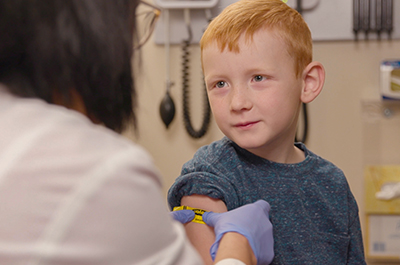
(373,17)
(181,4)
(201,11)
(191,18)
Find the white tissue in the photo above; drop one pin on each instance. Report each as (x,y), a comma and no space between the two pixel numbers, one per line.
(389,191)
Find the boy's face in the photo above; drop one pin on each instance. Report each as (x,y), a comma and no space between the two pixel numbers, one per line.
(254,94)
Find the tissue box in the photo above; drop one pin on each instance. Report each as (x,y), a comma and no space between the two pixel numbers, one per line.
(390,79)
(376,176)
(382,216)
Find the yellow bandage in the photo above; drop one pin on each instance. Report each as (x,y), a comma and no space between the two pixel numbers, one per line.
(198,218)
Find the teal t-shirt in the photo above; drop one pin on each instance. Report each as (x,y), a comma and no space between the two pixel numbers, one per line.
(313,212)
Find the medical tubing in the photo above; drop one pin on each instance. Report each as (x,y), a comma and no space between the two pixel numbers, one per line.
(305,125)
(185,90)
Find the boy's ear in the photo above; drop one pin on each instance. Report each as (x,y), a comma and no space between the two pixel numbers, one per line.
(313,81)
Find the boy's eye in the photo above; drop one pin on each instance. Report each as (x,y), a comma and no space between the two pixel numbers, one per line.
(220,84)
(258,78)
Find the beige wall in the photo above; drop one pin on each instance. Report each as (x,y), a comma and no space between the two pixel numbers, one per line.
(336,127)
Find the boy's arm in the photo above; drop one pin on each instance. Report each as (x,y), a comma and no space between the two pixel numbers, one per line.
(200,235)
(356,247)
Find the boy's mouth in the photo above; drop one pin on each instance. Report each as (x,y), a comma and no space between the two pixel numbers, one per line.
(245,125)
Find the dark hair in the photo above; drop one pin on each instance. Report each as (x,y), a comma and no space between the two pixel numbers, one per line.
(53,46)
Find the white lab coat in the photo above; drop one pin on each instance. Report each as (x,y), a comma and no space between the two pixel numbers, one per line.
(74,193)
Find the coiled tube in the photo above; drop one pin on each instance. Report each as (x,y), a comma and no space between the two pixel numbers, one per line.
(185,90)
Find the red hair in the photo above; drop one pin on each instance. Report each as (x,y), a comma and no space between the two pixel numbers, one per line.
(248,16)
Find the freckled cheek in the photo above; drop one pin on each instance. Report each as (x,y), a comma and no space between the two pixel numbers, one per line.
(216,109)
(220,110)
(215,102)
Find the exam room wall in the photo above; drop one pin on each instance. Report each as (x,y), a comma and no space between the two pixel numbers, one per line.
(335,117)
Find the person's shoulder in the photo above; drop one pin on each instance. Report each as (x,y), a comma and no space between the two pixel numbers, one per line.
(312,155)
(219,149)
(74,144)
(71,132)
(105,149)
(321,166)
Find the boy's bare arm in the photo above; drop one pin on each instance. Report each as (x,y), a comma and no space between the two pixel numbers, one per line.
(200,235)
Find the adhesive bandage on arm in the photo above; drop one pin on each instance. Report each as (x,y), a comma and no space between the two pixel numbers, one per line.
(198,218)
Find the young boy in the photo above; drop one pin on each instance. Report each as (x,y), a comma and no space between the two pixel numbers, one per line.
(257,63)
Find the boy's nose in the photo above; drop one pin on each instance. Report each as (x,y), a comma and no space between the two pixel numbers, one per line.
(240,99)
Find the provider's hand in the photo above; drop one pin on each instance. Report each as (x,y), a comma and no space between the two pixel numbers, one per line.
(251,221)
(183,216)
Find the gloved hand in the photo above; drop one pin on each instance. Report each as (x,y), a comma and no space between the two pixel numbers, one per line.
(183,216)
(251,221)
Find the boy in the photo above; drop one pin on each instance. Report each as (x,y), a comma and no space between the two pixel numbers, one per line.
(257,63)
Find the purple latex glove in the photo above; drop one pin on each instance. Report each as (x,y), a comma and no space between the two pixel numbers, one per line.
(251,221)
(183,216)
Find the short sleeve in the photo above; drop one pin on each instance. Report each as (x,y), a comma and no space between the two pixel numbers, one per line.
(202,183)
(207,174)
(356,249)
